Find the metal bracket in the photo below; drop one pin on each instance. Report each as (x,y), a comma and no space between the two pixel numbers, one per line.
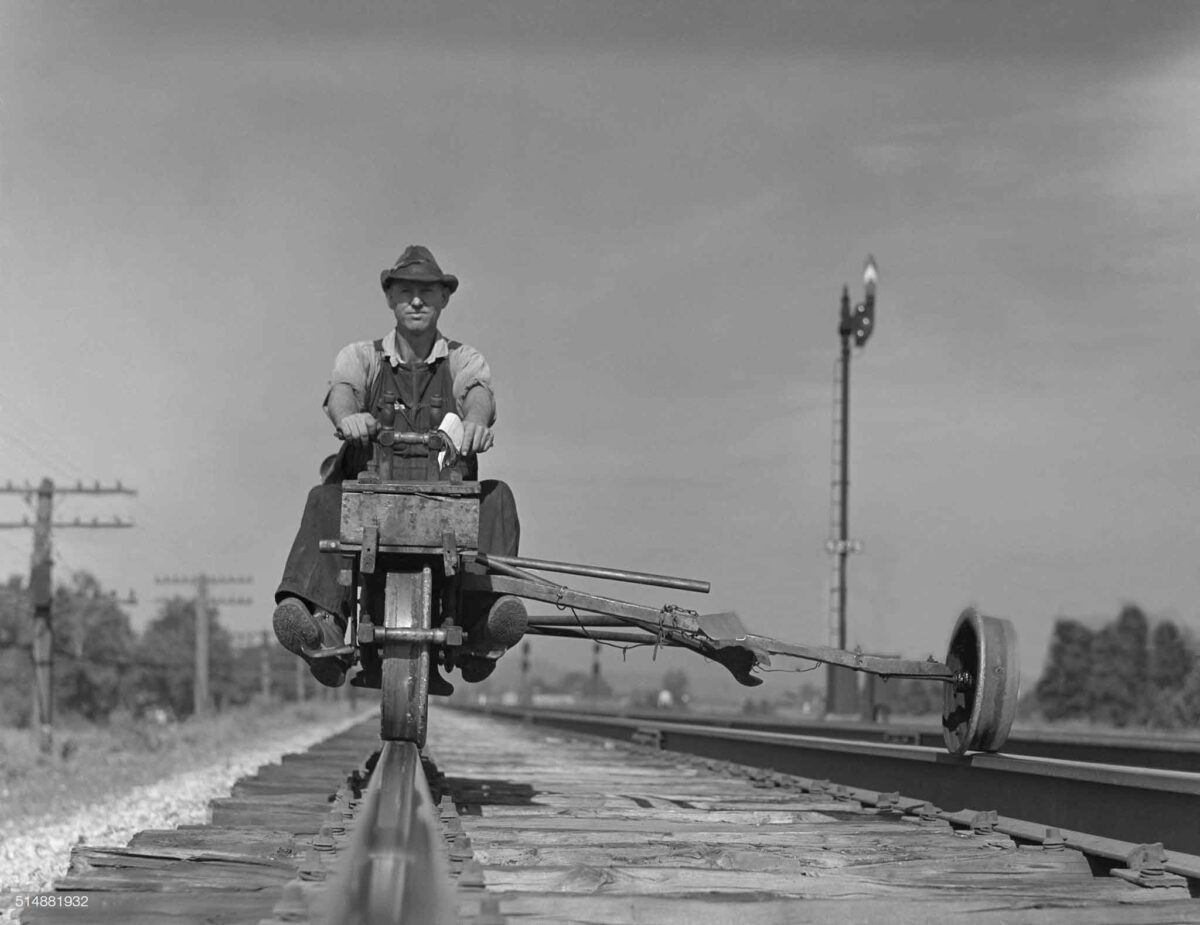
(449,552)
(648,736)
(370,547)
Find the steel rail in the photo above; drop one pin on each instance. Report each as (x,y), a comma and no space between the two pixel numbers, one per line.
(1100,805)
(1162,752)
(395,869)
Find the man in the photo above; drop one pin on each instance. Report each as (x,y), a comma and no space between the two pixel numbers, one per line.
(431,376)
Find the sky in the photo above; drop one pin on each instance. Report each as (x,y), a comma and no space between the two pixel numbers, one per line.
(652,208)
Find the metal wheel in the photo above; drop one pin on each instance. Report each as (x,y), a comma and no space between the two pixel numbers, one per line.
(979,706)
(406,667)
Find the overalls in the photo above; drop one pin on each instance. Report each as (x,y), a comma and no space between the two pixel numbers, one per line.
(424,395)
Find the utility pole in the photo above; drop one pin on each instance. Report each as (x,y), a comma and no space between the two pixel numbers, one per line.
(526,691)
(841,692)
(201,700)
(41,587)
(595,686)
(301,677)
(264,667)
(253,648)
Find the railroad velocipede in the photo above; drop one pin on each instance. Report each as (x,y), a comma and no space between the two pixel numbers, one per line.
(410,551)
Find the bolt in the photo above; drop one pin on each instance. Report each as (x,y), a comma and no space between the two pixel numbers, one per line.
(1147,860)
(928,813)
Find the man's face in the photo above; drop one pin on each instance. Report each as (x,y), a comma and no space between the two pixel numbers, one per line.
(416,305)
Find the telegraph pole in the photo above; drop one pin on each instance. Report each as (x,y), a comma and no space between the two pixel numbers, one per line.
(595,686)
(853,324)
(41,587)
(301,677)
(526,694)
(201,701)
(264,667)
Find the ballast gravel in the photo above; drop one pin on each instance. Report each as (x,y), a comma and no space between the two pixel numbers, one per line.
(33,855)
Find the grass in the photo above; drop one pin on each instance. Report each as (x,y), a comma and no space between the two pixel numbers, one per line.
(89,763)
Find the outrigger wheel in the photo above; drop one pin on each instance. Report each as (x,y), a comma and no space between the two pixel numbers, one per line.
(405,707)
(980,703)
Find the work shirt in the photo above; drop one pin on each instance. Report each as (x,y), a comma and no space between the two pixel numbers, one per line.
(358,365)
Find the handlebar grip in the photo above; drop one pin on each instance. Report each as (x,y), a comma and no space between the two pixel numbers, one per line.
(436,440)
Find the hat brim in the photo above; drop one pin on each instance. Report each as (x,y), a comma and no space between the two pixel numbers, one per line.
(449,280)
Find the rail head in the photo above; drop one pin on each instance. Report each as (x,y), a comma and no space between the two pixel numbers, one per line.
(395,868)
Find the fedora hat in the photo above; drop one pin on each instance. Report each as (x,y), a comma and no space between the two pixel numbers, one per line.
(417,265)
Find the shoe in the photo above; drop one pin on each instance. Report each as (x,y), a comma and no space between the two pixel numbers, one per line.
(476,668)
(507,621)
(367,678)
(439,686)
(298,629)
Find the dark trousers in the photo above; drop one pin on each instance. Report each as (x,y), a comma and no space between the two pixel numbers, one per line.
(312,575)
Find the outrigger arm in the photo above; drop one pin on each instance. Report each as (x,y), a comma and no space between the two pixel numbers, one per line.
(719,636)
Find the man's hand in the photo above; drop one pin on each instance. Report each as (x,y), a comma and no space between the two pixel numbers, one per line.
(477,438)
(359,426)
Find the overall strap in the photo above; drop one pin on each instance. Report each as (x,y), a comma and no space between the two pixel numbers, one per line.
(425,394)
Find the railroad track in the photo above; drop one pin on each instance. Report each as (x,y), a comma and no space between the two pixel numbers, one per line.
(1166,753)
(395,868)
(506,819)
(1109,811)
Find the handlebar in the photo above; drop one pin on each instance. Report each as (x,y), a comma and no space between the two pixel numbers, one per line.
(434,439)
(437,441)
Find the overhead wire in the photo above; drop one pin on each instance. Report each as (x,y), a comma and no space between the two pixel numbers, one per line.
(43,458)
(31,425)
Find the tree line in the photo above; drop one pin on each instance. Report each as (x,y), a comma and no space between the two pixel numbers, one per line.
(102,666)
(1130,671)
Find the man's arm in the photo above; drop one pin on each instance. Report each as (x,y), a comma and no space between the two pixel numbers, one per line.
(342,408)
(479,410)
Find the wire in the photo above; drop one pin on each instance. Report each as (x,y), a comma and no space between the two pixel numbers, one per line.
(29,424)
(13,545)
(45,460)
(814,667)
(623,647)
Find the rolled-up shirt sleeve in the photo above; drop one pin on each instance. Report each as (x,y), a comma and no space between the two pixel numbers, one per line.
(352,368)
(469,370)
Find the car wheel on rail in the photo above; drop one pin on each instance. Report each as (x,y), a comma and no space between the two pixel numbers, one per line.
(405,707)
(979,705)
